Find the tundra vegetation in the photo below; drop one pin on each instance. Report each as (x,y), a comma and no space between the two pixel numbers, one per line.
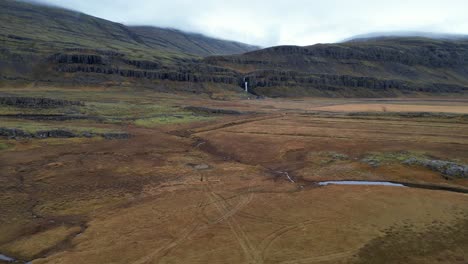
(123,144)
(236,175)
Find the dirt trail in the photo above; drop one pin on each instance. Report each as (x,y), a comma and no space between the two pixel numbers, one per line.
(231,124)
(196,226)
(324,258)
(251,253)
(187,231)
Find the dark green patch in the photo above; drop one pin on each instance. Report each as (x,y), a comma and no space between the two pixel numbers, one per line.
(5,146)
(443,243)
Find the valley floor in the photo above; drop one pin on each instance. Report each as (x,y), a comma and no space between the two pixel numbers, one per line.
(191,187)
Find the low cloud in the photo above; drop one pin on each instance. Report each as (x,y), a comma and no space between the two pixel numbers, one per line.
(279,22)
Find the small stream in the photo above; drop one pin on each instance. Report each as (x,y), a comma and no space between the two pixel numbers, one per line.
(427,186)
(383,183)
(5,258)
(397,184)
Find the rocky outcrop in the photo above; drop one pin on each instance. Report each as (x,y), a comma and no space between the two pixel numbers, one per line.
(291,78)
(57,117)
(388,67)
(259,79)
(15,133)
(57,133)
(275,78)
(448,168)
(37,102)
(77,59)
(142,64)
(110,53)
(206,110)
(115,135)
(54,133)
(182,76)
(430,55)
(427,54)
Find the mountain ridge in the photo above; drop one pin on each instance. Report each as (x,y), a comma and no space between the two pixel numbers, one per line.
(409,34)
(56,46)
(388,67)
(59,24)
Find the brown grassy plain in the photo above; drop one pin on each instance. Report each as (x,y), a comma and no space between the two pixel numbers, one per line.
(216,191)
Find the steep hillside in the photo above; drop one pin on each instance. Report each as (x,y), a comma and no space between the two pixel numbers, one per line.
(191,43)
(30,27)
(44,44)
(382,66)
(48,44)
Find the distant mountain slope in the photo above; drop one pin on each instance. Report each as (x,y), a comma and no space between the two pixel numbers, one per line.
(27,28)
(190,43)
(30,29)
(406,34)
(44,44)
(51,45)
(388,66)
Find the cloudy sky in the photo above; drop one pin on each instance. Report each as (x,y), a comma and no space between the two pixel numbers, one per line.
(275,22)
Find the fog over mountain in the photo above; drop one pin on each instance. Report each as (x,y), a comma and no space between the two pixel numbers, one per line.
(279,22)
(432,35)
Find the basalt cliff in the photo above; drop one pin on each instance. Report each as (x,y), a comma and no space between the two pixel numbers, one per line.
(48,45)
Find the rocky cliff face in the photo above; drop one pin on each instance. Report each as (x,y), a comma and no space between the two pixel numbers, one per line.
(322,67)
(111,66)
(344,69)
(179,76)
(77,59)
(291,80)
(404,64)
(14,133)
(433,55)
(144,64)
(36,102)
(273,78)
